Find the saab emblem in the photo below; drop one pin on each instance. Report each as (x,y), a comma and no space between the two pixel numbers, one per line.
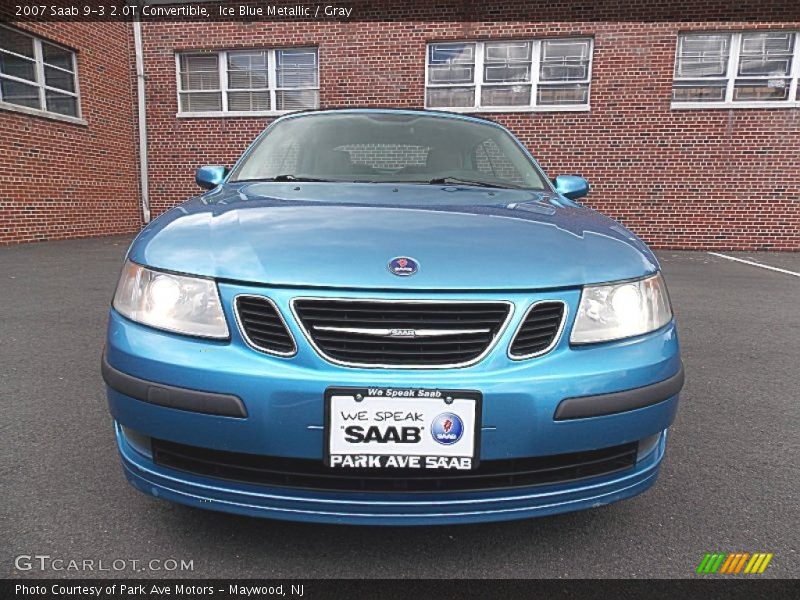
(447,428)
(403,266)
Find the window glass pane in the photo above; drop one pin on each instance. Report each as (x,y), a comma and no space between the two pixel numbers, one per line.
(61,103)
(16,42)
(507,62)
(451,63)
(59,79)
(451,97)
(565,60)
(19,93)
(760,89)
(200,81)
(699,91)
(248,101)
(296,99)
(58,57)
(58,68)
(764,67)
(507,51)
(766,54)
(372,157)
(450,53)
(17,66)
(284,161)
(238,80)
(451,74)
(246,61)
(702,55)
(384,148)
(548,95)
(247,70)
(490,159)
(297,68)
(201,101)
(199,72)
(506,73)
(506,95)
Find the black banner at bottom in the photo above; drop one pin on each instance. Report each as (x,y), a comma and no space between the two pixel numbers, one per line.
(387,589)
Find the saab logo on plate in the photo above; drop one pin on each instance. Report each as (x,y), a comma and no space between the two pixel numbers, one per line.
(403,266)
(447,428)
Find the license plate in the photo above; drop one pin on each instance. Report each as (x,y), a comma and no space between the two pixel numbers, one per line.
(401,428)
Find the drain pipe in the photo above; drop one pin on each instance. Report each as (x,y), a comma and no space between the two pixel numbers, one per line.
(140,80)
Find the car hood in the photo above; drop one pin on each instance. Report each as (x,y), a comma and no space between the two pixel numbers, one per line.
(339,235)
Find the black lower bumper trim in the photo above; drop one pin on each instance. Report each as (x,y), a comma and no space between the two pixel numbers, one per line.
(313,474)
(209,403)
(616,402)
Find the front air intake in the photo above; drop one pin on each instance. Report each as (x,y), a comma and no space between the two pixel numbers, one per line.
(263,327)
(312,474)
(539,331)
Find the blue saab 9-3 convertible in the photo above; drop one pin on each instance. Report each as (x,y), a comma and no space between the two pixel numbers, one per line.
(390,317)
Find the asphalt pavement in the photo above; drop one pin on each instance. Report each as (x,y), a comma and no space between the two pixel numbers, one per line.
(730,481)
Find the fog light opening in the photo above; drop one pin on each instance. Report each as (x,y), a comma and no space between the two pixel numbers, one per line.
(647,445)
(137,441)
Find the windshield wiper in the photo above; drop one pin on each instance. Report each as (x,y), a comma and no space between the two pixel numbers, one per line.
(288,177)
(457,180)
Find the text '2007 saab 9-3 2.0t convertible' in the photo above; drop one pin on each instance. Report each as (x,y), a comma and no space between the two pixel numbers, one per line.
(390,317)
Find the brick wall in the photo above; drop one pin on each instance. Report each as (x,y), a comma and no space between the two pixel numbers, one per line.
(63,180)
(722,179)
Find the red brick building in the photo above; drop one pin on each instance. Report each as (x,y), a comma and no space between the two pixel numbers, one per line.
(69,166)
(688,132)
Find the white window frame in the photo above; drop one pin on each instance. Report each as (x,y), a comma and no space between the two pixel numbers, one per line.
(40,83)
(479,84)
(731,74)
(222,65)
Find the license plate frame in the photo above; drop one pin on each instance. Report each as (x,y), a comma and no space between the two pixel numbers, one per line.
(438,401)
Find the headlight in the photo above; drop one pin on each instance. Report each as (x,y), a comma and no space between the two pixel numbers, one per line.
(611,312)
(187,305)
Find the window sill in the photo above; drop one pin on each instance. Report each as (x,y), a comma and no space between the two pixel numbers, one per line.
(236,114)
(514,109)
(734,105)
(36,112)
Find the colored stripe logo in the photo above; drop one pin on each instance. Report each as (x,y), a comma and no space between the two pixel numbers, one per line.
(734,563)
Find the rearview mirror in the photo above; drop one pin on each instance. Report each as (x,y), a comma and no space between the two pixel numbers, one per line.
(210,176)
(571,186)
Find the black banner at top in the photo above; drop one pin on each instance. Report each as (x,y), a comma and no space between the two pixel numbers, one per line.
(781,11)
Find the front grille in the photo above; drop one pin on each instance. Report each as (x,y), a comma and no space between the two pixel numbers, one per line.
(374,333)
(262,325)
(539,330)
(313,474)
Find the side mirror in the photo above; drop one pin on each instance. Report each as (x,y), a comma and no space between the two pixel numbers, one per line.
(571,186)
(210,176)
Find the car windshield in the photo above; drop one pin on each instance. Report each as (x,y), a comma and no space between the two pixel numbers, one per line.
(389,148)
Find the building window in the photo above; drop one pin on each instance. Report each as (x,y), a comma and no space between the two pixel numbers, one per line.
(37,76)
(501,76)
(247,82)
(744,69)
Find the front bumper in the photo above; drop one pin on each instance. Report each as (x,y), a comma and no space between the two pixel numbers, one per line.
(385,509)
(282,415)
